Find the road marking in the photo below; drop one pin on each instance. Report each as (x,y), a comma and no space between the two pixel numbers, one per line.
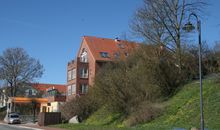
(25,127)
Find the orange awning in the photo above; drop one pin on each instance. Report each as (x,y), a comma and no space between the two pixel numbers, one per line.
(28,100)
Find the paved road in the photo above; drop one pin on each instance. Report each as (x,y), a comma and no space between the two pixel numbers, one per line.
(15,127)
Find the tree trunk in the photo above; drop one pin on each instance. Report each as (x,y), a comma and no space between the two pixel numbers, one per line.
(179,52)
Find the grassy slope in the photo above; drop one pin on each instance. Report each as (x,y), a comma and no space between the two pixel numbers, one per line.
(182,111)
(104,117)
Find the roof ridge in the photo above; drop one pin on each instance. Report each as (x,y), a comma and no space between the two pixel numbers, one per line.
(103,38)
(113,39)
(49,84)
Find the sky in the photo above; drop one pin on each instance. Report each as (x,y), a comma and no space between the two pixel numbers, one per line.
(51,30)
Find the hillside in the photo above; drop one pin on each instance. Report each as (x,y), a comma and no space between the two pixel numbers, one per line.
(182,111)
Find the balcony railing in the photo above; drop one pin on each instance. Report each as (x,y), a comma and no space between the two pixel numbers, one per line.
(84,76)
(83,60)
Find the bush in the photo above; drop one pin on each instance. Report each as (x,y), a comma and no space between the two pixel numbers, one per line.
(144,112)
(123,88)
(148,74)
(82,107)
(2,115)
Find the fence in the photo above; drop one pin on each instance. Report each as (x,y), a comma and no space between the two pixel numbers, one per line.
(49,118)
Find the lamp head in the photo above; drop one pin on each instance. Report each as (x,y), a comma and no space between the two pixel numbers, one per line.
(188,27)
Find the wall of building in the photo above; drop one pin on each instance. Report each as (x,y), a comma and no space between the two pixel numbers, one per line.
(51,107)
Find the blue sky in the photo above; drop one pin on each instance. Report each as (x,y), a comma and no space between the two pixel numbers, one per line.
(51,30)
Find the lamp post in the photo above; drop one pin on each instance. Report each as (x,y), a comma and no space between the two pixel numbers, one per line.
(189,27)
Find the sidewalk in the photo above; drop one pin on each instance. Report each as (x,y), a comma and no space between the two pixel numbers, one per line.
(32,125)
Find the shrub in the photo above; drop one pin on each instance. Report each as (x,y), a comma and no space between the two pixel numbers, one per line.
(123,88)
(2,115)
(149,74)
(82,107)
(144,112)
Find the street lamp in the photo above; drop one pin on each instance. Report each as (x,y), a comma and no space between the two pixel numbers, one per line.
(189,27)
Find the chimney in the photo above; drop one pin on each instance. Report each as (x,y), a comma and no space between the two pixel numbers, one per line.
(117,39)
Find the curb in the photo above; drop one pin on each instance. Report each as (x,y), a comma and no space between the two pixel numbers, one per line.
(20,126)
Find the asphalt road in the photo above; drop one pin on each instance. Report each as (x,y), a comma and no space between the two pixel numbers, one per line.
(14,127)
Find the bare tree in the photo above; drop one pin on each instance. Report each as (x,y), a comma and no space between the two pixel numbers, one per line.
(17,67)
(161,22)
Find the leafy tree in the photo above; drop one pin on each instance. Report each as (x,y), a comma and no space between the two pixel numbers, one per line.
(17,67)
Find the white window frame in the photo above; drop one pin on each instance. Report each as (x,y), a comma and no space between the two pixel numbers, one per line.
(73,74)
(69,75)
(73,89)
(84,56)
(84,88)
(84,72)
(69,90)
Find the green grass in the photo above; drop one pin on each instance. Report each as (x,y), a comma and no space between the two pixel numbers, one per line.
(182,111)
(107,127)
(104,117)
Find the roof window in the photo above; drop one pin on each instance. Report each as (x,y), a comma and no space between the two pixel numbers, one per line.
(104,54)
(121,46)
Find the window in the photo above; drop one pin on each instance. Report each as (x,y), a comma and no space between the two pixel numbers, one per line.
(84,73)
(73,88)
(44,109)
(83,88)
(73,74)
(104,54)
(69,90)
(117,55)
(34,92)
(126,54)
(29,92)
(84,56)
(69,75)
(121,46)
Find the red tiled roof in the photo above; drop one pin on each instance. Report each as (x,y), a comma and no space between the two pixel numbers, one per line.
(111,46)
(44,87)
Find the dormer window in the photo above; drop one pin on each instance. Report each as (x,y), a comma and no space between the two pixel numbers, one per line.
(104,54)
(84,56)
(121,46)
(30,92)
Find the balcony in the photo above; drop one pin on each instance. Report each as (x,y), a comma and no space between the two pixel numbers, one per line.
(84,76)
(83,60)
